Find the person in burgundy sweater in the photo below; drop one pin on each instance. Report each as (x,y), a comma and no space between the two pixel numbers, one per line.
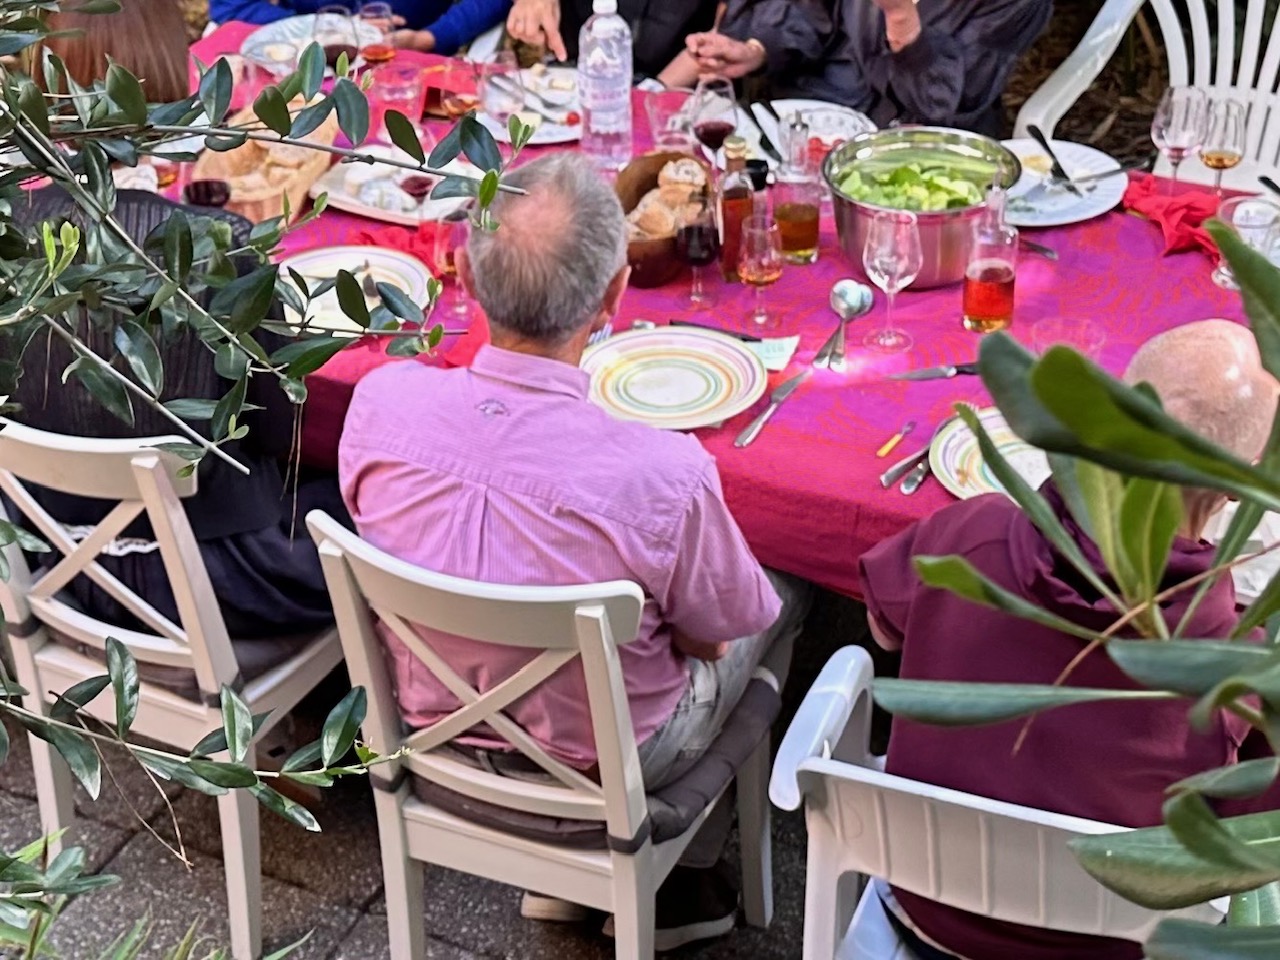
(1104,761)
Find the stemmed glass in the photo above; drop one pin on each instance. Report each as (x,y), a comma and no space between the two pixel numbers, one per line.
(451,234)
(892,259)
(715,114)
(335,31)
(379,16)
(697,244)
(501,88)
(760,259)
(1224,145)
(1180,125)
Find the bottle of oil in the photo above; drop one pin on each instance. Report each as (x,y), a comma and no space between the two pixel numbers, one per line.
(797,197)
(736,203)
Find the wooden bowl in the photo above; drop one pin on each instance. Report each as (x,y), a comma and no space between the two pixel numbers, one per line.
(653,262)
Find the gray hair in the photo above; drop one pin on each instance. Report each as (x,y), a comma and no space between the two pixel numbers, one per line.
(543,273)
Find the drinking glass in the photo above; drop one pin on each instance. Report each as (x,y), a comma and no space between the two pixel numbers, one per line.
(378,16)
(670,113)
(1224,144)
(715,116)
(1180,125)
(459,85)
(399,88)
(760,260)
(501,88)
(1085,337)
(335,31)
(697,244)
(1256,222)
(892,259)
(451,233)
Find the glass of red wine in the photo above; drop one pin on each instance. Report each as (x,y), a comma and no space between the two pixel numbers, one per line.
(715,115)
(335,31)
(697,244)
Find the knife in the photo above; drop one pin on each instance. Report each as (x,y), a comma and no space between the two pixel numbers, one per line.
(945,372)
(1059,172)
(744,337)
(775,401)
(768,105)
(1038,248)
(765,143)
(916,477)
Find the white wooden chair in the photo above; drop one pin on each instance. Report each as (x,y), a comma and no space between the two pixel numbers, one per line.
(47,633)
(1208,64)
(996,859)
(564,623)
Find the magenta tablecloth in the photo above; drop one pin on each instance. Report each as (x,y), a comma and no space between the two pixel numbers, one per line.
(806,493)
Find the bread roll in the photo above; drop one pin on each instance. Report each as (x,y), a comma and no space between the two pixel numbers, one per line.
(681,180)
(653,216)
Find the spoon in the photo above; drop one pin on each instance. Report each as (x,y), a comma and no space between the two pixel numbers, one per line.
(850,300)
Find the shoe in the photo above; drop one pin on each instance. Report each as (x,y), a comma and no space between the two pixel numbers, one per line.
(692,904)
(535,906)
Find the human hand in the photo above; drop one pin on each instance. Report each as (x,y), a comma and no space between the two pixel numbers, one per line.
(537,22)
(901,22)
(422,40)
(715,53)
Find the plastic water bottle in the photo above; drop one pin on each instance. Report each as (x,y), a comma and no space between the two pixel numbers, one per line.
(604,83)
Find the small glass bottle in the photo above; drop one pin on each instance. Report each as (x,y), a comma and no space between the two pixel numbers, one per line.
(993,268)
(736,203)
(797,197)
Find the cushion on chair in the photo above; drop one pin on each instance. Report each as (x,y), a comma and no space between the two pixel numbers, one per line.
(672,809)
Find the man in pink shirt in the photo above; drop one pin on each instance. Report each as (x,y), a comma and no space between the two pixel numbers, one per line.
(506,473)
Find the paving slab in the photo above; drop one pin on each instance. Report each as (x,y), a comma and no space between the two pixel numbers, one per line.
(174,896)
(20,825)
(368,941)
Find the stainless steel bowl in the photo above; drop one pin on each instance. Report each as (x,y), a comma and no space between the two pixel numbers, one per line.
(945,235)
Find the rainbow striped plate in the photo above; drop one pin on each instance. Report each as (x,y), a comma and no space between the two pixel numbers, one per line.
(957,461)
(674,378)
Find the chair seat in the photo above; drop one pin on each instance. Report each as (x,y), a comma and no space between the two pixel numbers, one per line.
(672,809)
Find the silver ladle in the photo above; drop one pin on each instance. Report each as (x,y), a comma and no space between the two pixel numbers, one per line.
(849,300)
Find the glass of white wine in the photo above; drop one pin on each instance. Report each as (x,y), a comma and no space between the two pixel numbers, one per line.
(760,262)
(1224,145)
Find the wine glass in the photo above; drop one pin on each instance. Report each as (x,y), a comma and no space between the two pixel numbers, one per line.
(500,85)
(715,115)
(451,233)
(1180,124)
(697,244)
(892,259)
(1256,222)
(760,260)
(335,31)
(378,16)
(1224,144)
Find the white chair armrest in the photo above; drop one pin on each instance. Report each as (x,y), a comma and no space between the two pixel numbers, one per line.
(820,722)
(1056,95)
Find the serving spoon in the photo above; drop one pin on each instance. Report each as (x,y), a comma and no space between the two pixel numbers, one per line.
(850,300)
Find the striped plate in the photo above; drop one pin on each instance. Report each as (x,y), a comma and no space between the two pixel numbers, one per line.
(675,378)
(958,464)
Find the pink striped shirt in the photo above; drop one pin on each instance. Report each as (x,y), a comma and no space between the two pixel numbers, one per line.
(505,473)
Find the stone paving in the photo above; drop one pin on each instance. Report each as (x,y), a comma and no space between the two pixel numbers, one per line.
(331,883)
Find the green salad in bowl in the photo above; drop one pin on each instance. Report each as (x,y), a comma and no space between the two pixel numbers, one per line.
(913,186)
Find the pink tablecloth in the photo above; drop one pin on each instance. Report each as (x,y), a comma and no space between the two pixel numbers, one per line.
(806,493)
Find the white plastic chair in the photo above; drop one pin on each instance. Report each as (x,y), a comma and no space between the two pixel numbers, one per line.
(996,859)
(587,621)
(1251,78)
(142,480)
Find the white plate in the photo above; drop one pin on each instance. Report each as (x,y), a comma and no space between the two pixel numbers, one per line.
(956,460)
(786,107)
(334,183)
(385,266)
(299,31)
(1060,207)
(541,84)
(547,133)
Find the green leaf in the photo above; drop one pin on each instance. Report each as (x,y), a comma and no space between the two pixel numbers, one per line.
(956,575)
(399,302)
(246,301)
(1257,908)
(178,245)
(80,756)
(959,704)
(447,149)
(488,188)
(32,104)
(295,813)
(478,144)
(1188,940)
(342,725)
(11,43)
(311,70)
(228,408)
(191,409)
(4,744)
(142,354)
(304,757)
(1259,283)
(309,118)
(237,724)
(216,740)
(351,298)
(1193,824)
(290,949)
(270,107)
(410,345)
(77,696)
(353,110)
(314,778)
(1189,667)
(451,187)
(1150,513)
(104,387)
(123,671)
(402,134)
(231,775)
(1261,610)
(1154,870)
(177,771)
(126,92)
(307,356)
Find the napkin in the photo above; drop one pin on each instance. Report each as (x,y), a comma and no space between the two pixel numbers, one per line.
(1179,216)
(420,243)
(774,352)
(1252,577)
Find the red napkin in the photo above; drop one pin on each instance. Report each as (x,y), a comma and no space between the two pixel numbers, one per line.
(1179,216)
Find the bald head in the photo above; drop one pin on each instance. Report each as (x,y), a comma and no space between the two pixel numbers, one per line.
(1210,377)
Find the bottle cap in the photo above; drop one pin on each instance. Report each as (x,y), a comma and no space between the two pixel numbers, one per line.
(735,147)
(604,6)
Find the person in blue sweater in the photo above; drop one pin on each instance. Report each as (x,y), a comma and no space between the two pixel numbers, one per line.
(441,26)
